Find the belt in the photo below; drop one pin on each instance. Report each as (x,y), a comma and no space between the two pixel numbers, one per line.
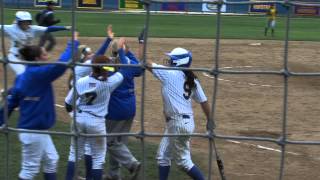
(184,116)
(80,111)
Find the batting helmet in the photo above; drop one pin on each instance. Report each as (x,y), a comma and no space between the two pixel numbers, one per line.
(83,51)
(180,57)
(23,16)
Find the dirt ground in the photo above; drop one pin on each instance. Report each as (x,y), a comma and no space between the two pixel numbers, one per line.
(246,105)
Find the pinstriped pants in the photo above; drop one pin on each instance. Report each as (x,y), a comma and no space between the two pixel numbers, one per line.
(89,124)
(177,148)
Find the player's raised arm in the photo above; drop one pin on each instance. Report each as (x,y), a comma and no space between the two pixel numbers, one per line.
(106,43)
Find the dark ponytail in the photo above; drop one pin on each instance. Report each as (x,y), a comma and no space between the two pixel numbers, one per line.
(190,77)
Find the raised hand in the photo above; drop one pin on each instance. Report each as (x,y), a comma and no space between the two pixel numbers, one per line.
(121,43)
(110,32)
(76,35)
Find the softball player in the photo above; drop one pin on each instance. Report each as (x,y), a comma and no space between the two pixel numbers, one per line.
(93,94)
(22,33)
(271,23)
(33,93)
(178,87)
(85,55)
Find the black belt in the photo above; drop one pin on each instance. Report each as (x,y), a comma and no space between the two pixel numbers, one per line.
(80,111)
(184,116)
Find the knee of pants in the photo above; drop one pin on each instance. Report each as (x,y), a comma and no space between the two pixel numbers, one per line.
(50,166)
(164,161)
(29,172)
(184,164)
(87,149)
(72,156)
(98,162)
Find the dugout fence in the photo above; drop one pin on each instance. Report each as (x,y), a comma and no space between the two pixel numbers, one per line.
(216,71)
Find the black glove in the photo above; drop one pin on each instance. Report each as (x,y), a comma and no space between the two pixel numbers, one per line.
(141,36)
(68,107)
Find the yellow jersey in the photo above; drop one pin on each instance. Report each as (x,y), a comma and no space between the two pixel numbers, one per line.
(272,13)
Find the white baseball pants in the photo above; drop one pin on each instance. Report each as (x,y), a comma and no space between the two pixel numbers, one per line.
(89,124)
(17,68)
(37,148)
(177,148)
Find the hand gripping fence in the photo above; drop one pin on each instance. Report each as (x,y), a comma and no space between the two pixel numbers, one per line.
(215,71)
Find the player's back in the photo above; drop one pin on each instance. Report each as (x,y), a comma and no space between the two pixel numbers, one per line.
(94,94)
(174,94)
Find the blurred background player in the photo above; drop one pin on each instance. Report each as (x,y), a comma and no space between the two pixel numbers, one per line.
(93,94)
(178,88)
(22,33)
(271,22)
(46,18)
(33,93)
(122,110)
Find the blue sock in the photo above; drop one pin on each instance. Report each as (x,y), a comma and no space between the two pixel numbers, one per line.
(97,174)
(70,170)
(195,173)
(88,163)
(50,176)
(21,179)
(164,172)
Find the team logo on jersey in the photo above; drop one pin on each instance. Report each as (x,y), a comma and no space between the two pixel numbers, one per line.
(92,85)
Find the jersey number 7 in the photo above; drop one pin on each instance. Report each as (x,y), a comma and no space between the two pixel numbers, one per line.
(90,97)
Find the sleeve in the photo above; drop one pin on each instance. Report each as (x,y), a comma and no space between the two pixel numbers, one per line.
(132,57)
(161,74)
(51,72)
(69,98)
(128,72)
(104,46)
(56,28)
(114,81)
(133,60)
(13,100)
(198,94)
(5,29)
(40,29)
(122,57)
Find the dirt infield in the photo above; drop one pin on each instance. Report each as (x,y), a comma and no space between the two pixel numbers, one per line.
(246,105)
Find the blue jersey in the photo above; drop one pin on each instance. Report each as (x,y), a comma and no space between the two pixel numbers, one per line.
(33,93)
(122,105)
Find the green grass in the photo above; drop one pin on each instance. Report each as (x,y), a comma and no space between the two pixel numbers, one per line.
(62,144)
(187,26)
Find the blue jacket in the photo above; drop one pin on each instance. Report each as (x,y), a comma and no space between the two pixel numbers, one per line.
(122,104)
(33,93)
